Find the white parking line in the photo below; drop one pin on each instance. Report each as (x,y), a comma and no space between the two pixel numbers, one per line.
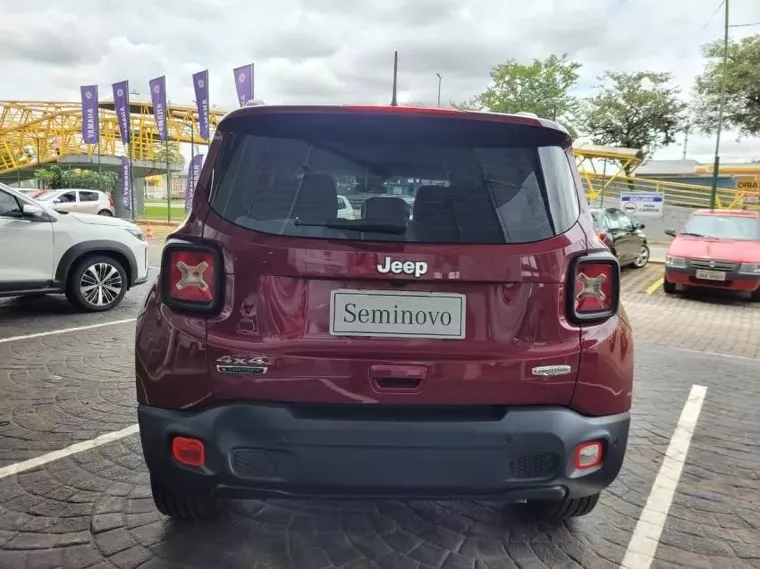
(65,330)
(646,535)
(68,451)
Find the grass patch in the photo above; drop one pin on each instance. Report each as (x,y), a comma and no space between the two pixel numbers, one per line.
(161,213)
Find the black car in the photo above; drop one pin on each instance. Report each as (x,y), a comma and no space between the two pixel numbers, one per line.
(622,235)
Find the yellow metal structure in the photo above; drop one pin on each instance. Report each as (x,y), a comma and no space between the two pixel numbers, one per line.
(601,189)
(604,186)
(37,132)
(626,160)
(731,169)
(33,133)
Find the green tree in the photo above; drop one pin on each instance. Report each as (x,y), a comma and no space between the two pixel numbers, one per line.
(55,177)
(542,87)
(173,151)
(634,110)
(742,107)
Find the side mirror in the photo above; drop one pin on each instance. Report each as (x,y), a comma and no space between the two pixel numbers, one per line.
(640,226)
(30,210)
(671,232)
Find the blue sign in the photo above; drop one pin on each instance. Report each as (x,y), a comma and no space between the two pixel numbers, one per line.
(642,204)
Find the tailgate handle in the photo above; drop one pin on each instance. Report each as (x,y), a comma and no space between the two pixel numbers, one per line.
(398,377)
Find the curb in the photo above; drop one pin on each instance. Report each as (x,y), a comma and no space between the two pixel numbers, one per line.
(142,222)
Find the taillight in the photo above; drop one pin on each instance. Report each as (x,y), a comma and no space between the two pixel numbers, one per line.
(191,277)
(595,288)
(111,202)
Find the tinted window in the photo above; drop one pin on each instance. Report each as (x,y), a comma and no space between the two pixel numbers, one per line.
(724,226)
(8,204)
(433,180)
(614,220)
(626,224)
(88,196)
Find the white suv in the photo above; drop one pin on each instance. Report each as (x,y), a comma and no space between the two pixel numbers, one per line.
(93,259)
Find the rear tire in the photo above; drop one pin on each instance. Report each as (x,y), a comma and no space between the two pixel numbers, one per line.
(183,506)
(105,212)
(668,288)
(755,296)
(561,510)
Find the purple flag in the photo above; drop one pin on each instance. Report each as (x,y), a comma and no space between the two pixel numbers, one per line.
(121,106)
(126,184)
(244,83)
(200,81)
(90,119)
(158,98)
(193,173)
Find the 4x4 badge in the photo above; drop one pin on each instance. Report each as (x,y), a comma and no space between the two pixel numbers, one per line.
(242,365)
(416,268)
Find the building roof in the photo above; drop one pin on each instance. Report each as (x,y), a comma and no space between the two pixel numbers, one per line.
(672,167)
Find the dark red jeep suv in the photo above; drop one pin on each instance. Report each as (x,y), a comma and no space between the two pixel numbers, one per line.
(474,349)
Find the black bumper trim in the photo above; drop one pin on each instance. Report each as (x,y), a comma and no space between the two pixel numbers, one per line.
(294,457)
(730,275)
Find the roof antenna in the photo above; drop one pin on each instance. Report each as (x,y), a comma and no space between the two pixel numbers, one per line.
(394,102)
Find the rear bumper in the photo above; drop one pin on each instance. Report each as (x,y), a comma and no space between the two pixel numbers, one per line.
(264,450)
(734,281)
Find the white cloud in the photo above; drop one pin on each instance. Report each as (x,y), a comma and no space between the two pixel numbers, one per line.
(336,51)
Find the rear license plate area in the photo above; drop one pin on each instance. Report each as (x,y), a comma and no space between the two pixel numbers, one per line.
(389,314)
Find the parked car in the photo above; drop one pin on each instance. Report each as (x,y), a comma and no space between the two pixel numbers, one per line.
(79,201)
(477,351)
(345,209)
(92,259)
(717,249)
(624,237)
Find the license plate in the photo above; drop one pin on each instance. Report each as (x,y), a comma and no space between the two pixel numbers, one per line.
(397,314)
(711,275)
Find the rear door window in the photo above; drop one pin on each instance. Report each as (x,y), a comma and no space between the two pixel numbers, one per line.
(409,179)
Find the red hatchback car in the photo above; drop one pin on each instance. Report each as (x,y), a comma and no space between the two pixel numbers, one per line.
(716,249)
(476,350)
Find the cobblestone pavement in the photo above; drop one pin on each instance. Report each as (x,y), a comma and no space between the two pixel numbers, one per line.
(702,321)
(93,509)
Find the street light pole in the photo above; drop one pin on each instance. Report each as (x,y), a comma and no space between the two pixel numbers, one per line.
(439,88)
(716,163)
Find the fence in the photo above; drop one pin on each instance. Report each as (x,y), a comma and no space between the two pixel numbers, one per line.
(601,189)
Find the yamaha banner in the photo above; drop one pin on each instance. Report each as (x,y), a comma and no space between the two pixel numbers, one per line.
(126,184)
(200,82)
(193,173)
(244,83)
(158,98)
(121,106)
(90,119)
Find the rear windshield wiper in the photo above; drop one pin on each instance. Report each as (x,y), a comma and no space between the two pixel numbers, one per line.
(355,225)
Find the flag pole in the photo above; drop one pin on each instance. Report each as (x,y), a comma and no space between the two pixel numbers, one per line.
(130,152)
(192,150)
(168,184)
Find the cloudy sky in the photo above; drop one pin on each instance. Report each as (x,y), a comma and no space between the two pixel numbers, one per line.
(341,51)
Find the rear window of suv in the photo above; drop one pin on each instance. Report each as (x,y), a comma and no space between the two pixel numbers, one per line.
(408,178)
